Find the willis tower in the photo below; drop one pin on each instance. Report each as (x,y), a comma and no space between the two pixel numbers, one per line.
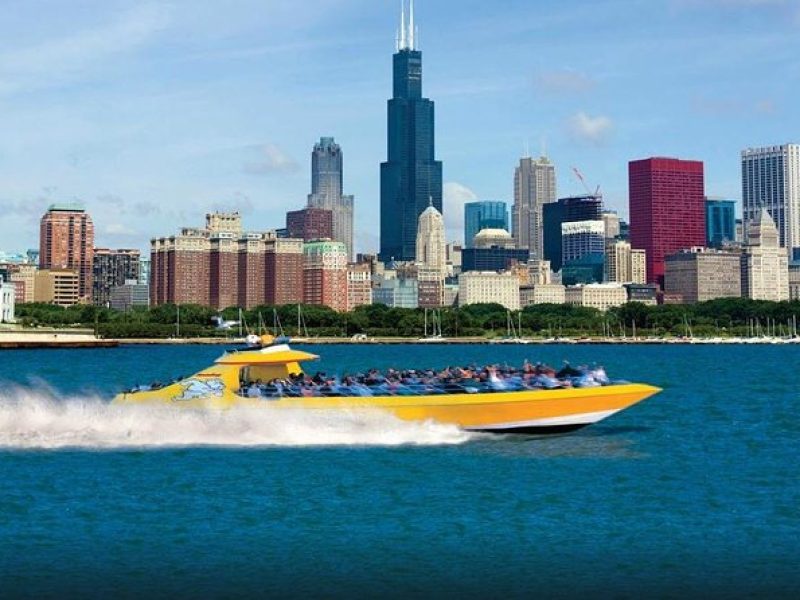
(411,178)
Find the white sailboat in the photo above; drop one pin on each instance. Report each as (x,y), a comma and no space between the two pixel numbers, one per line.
(435,334)
(513,331)
(302,330)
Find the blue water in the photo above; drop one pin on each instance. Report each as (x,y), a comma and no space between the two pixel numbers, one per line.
(694,492)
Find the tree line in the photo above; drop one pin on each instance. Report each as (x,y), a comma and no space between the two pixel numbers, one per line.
(723,317)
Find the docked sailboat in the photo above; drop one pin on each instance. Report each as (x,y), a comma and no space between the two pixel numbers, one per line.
(435,333)
(513,331)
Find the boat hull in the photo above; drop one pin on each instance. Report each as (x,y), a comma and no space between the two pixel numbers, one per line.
(527,411)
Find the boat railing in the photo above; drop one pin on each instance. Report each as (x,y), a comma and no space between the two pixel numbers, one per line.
(410,389)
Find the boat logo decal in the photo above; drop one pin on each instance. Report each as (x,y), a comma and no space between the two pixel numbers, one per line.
(194,388)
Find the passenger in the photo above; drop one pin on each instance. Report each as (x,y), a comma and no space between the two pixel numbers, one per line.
(495,382)
(253,391)
(450,380)
(568,371)
(546,382)
(599,375)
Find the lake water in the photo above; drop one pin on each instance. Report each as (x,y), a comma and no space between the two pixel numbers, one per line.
(693,492)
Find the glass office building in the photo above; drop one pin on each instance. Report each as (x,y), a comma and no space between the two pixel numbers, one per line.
(720,222)
(485,214)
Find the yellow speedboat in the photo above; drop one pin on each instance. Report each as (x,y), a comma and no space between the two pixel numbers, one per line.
(224,384)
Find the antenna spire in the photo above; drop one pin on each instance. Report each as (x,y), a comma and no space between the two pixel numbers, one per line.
(403,43)
(411,33)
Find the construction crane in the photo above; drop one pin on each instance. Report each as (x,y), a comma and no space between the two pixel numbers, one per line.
(583,182)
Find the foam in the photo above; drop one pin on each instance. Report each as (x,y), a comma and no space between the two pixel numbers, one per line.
(32,419)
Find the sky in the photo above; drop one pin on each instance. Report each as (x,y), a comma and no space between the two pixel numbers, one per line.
(153,113)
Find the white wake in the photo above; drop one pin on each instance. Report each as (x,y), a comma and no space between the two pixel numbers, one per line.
(30,420)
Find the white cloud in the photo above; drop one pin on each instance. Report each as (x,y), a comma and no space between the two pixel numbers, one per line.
(63,59)
(595,130)
(240,202)
(269,160)
(455,196)
(564,81)
(118,229)
(733,107)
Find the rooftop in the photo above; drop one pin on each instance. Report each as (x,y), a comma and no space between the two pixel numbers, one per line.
(73,206)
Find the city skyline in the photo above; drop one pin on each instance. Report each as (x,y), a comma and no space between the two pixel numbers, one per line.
(144,130)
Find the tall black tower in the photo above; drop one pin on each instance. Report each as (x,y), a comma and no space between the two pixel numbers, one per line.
(411,177)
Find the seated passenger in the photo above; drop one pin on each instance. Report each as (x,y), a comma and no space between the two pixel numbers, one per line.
(495,383)
(599,375)
(568,371)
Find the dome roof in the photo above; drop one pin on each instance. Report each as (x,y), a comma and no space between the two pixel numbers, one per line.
(492,233)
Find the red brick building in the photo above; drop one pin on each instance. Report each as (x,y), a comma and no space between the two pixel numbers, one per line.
(66,241)
(226,268)
(325,274)
(667,209)
(359,285)
(283,274)
(310,224)
(252,270)
(180,269)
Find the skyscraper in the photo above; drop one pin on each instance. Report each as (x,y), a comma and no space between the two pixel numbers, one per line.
(611,220)
(579,238)
(431,258)
(624,264)
(310,224)
(326,190)
(771,180)
(765,264)
(411,177)
(667,209)
(431,243)
(66,241)
(110,269)
(534,186)
(566,210)
(720,222)
(484,214)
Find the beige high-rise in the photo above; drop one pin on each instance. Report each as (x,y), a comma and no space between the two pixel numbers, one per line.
(624,264)
(431,243)
(431,258)
(534,186)
(765,264)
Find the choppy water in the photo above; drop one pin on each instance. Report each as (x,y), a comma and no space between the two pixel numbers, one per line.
(693,492)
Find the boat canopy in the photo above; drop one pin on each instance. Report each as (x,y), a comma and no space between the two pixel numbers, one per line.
(272,355)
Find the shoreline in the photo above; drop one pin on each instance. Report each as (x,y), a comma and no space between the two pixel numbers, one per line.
(73,340)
